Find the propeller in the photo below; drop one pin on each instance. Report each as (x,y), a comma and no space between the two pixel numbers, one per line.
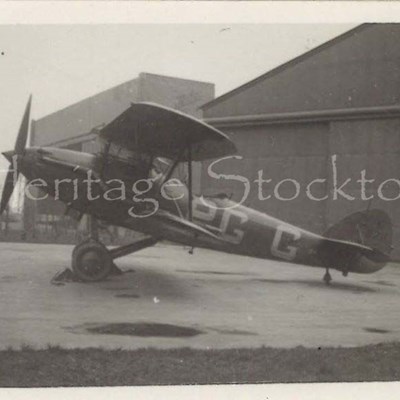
(19,150)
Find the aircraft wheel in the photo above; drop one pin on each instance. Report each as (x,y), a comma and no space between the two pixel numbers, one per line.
(91,261)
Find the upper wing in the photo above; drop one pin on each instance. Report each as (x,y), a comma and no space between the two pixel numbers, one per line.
(163,132)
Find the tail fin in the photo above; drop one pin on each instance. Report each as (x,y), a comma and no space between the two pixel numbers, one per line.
(371,228)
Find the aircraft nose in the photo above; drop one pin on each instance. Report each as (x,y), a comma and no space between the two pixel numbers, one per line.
(9,155)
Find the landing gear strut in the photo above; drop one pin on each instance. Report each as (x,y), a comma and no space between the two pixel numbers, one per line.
(92,261)
(327,277)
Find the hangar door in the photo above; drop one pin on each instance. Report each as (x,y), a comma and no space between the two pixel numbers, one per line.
(287,157)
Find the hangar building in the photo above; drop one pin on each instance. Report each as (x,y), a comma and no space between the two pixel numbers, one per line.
(328,114)
(74,127)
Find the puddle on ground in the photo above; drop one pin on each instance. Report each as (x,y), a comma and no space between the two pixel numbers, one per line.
(233,332)
(143,329)
(148,329)
(353,288)
(382,283)
(273,280)
(8,278)
(127,296)
(376,330)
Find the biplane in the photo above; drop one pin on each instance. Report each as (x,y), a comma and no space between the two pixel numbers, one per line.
(133,188)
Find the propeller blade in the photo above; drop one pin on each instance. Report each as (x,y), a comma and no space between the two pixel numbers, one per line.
(19,149)
(23,130)
(9,155)
(7,189)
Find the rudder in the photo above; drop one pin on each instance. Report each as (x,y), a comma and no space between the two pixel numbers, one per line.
(371,228)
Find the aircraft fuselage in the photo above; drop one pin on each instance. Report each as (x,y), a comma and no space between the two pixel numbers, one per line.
(64,174)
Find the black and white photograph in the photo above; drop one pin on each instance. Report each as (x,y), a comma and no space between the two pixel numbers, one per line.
(199,203)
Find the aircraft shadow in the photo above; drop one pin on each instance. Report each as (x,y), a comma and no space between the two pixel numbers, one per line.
(213,272)
(349,287)
(145,283)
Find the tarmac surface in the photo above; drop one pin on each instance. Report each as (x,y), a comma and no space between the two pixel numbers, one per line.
(206,300)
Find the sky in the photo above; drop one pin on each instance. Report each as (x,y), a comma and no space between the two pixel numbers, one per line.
(62,64)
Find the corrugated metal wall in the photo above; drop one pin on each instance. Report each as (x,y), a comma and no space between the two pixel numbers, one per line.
(180,94)
(80,118)
(280,152)
(358,69)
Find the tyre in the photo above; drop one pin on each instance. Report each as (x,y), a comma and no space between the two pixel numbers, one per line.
(91,262)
